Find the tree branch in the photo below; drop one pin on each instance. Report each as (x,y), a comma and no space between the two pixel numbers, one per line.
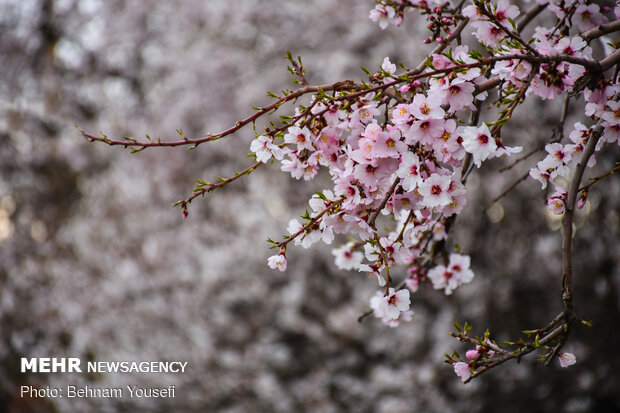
(567,223)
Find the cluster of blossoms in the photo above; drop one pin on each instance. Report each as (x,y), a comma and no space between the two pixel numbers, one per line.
(403,153)
(408,166)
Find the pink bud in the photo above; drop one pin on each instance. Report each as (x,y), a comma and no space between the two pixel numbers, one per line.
(582,199)
(472,354)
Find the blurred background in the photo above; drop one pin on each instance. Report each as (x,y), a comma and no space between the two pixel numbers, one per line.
(96,263)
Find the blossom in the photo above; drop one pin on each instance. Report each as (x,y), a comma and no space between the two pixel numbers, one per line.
(566,359)
(388,66)
(293,165)
(425,131)
(612,116)
(264,148)
(300,136)
(557,201)
(434,191)
(588,16)
(409,171)
(459,265)
(347,258)
(479,142)
(388,144)
(379,307)
(401,114)
(424,107)
(462,370)
(382,14)
(395,303)
(451,277)
(277,261)
(458,95)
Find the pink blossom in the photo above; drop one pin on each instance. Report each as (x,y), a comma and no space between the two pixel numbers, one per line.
(401,114)
(456,274)
(395,303)
(557,201)
(389,144)
(388,67)
(566,359)
(264,148)
(378,305)
(293,165)
(409,171)
(434,191)
(382,14)
(277,261)
(347,258)
(458,95)
(424,107)
(302,137)
(588,16)
(560,152)
(462,370)
(612,113)
(425,131)
(479,142)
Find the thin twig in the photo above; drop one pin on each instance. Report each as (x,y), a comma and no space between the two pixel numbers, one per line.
(312,222)
(372,219)
(598,178)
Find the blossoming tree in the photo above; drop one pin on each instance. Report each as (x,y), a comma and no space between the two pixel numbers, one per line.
(400,146)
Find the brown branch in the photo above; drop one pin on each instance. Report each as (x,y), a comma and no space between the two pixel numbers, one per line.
(129,142)
(601,30)
(567,223)
(610,61)
(524,348)
(518,354)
